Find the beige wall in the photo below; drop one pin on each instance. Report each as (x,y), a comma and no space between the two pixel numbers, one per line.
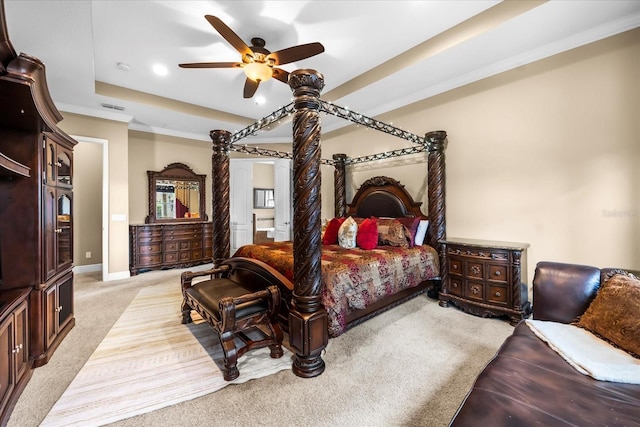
(116,133)
(546,154)
(155,152)
(87,203)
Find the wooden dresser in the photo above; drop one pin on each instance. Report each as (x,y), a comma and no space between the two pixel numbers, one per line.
(169,245)
(485,278)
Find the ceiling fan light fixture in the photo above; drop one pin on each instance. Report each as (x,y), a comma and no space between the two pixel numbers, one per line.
(258,72)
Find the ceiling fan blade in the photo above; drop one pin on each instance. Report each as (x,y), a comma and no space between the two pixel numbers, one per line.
(281,75)
(250,88)
(211,65)
(228,34)
(296,53)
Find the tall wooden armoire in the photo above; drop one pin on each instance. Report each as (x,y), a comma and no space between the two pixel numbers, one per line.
(36,222)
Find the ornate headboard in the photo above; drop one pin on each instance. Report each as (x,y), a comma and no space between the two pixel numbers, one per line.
(382,196)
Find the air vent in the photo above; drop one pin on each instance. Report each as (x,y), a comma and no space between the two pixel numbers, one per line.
(113,107)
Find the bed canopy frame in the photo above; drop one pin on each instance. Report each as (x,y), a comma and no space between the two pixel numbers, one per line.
(308,317)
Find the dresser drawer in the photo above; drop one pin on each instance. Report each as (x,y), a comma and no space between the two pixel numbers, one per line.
(171,246)
(145,260)
(149,234)
(153,248)
(171,256)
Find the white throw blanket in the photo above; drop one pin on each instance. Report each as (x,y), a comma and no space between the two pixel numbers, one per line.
(587,353)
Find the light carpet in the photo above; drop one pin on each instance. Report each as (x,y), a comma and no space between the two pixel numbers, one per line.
(149,360)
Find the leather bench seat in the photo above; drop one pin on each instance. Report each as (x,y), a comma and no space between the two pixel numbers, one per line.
(209,296)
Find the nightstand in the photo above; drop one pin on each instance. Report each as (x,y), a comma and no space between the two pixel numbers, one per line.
(484,278)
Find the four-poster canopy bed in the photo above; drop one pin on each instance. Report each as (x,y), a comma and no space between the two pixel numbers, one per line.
(379,197)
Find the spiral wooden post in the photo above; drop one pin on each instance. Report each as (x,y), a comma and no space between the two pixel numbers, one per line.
(220,194)
(308,333)
(339,185)
(436,180)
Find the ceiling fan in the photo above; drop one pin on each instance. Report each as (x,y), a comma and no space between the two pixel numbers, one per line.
(258,63)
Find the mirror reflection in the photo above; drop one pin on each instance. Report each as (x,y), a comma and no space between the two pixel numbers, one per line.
(263,198)
(177,199)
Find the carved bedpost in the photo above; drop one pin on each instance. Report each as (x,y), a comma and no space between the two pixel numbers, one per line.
(220,193)
(339,185)
(436,180)
(308,333)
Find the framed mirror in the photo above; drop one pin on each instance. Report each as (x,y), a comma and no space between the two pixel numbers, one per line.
(263,198)
(176,194)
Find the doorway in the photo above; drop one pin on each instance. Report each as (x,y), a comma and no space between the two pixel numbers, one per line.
(91,192)
(268,176)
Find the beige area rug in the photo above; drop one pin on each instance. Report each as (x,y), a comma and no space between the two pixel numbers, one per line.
(149,360)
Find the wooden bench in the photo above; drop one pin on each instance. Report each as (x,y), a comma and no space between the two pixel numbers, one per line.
(241,295)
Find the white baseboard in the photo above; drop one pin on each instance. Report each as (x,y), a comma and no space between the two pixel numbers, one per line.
(119,275)
(89,268)
(79,269)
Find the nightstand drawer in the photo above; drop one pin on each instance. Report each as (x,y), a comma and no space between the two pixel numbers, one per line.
(475,270)
(498,273)
(456,287)
(455,266)
(497,294)
(474,290)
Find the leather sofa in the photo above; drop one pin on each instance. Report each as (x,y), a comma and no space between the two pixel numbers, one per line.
(528,383)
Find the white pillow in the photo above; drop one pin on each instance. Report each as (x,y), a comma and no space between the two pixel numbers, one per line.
(421,232)
(347,233)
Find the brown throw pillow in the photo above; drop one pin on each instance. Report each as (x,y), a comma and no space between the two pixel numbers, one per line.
(614,314)
(392,233)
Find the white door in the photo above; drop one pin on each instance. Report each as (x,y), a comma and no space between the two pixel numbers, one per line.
(282,190)
(241,203)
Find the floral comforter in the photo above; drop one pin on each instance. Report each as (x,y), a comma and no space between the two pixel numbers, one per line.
(354,278)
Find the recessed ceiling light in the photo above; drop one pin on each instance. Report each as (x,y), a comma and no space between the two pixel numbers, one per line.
(260,100)
(160,70)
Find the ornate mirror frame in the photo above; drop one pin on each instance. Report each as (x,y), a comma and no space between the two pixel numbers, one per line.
(177,172)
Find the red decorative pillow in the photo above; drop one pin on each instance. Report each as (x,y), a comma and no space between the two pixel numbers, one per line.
(367,237)
(331,232)
(411,225)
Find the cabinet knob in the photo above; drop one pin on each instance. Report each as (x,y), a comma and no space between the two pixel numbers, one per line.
(455,266)
(498,294)
(498,273)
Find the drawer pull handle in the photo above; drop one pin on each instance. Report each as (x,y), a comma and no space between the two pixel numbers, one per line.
(455,267)
(498,273)
(498,294)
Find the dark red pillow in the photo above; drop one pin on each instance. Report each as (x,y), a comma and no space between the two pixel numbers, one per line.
(367,236)
(411,225)
(331,232)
